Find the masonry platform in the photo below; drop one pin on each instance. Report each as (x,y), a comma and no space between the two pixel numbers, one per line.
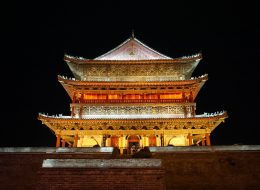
(193,167)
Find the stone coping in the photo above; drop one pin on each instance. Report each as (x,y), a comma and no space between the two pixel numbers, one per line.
(110,149)
(170,149)
(101,163)
(55,150)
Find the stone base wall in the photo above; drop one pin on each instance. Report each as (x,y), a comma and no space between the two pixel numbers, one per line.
(215,168)
(100,179)
(19,167)
(212,168)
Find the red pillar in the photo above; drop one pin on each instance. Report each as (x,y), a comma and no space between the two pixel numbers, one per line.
(203,141)
(191,97)
(80,111)
(104,140)
(190,139)
(185,111)
(183,97)
(58,140)
(74,98)
(72,111)
(63,143)
(207,139)
(193,110)
(76,138)
(162,140)
(82,98)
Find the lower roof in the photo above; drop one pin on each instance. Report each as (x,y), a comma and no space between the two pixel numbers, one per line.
(119,118)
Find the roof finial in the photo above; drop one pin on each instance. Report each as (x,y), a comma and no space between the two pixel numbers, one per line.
(133,33)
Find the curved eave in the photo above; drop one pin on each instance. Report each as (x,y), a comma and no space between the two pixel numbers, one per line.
(72,126)
(70,59)
(130,83)
(51,119)
(73,85)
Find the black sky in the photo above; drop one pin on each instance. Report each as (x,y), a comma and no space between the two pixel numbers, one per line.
(36,35)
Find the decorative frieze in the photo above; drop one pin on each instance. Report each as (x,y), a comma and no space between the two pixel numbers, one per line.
(142,72)
(132,110)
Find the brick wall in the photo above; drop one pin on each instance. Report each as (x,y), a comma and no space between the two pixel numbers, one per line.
(20,170)
(211,170)
(101,179)
(189,169)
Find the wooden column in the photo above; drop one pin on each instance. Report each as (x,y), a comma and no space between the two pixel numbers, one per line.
(74,98)
(63,143)
(80,111)
(104,140)
(121,143)
(162,140)
(82,98)
(193,110)
(207,139)
(143,138)
(190,139)
(76,138)
(185,111)
(191,97)
(58,140)
(72,111)
(183,97)
(203,141)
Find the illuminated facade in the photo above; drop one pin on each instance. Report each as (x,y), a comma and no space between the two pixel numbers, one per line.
(133,95)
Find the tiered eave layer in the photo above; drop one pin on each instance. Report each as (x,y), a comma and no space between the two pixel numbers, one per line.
(81,60)
(67,125)
(193,84)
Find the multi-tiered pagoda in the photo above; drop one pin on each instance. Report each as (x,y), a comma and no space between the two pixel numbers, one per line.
(133,96)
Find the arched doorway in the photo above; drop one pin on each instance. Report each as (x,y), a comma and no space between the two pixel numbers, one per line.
(89,142)
(114,141)
(177,141)
(133,143)
(152,140)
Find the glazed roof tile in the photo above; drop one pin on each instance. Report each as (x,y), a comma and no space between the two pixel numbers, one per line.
(132,49)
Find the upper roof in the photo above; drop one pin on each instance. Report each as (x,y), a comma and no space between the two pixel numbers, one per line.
(132,49)
(146,64)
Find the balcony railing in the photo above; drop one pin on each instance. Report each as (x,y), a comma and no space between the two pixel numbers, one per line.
(133,101)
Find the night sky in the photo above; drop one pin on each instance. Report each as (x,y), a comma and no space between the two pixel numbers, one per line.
(35,36)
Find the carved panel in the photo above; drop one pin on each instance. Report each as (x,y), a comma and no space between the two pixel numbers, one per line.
(132,110)
(142,72)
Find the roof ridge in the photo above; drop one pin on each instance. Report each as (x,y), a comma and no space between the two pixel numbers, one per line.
(117,47)
(137,41)
(143,44)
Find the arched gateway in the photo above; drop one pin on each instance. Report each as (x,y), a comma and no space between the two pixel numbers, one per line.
(133,95)
(114,141)
(133,140)
(152,140)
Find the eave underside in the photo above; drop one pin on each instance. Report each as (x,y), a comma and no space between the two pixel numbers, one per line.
(74,86)
(81,60)
(69,126)
(140,71)
(132,83)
